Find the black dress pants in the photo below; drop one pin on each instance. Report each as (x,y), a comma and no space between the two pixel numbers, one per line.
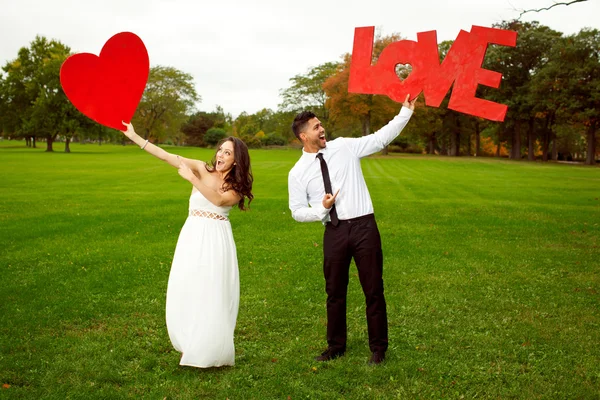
(356,238)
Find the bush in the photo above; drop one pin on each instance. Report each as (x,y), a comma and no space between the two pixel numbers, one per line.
(251,141)
(213,135)
(408,148)
(401,142)
(273,139)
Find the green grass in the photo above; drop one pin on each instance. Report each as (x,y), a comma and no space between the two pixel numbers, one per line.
(491,275)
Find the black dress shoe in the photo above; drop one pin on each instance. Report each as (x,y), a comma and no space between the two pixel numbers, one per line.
(329,354)
(377,357)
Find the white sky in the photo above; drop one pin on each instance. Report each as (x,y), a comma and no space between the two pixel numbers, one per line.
(242,52)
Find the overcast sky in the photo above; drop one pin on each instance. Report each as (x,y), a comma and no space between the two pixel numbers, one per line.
(242,52)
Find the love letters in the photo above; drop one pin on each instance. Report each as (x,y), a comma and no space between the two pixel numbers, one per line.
(461,66)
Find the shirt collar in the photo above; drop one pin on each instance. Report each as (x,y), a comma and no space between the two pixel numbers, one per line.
(313,155)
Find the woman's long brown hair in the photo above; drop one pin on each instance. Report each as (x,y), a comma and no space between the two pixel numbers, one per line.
(240,176)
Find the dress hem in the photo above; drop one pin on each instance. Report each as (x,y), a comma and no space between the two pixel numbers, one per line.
(206,366)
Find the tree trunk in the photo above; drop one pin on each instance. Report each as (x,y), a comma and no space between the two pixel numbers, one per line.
(431,146)
(469,146)
(591,144)
(530,146)
(547,135)
(498,148)
(477,138)
(33,142)
(366,124)
(457,143)
(444,147)
(545,144)
(457,138)
(67,148)
(531,140)
(27,141)
(515,150)
(554,147)
(49,141)
(454,144)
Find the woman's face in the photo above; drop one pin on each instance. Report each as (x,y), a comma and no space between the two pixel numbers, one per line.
(225,157)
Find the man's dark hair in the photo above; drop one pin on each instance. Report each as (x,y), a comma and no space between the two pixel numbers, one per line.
(300,122)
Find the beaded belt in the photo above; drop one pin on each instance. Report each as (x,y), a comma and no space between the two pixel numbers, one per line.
(207,214)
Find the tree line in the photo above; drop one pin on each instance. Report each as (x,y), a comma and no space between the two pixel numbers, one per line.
(551,83)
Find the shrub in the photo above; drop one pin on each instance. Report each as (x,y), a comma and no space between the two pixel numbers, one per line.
(273,139)
(213,135)
(251,141)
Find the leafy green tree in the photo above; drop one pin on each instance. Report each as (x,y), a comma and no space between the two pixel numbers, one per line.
(280,125)
(548,96)
(273,139)
(169,97)
(197,125)
(222,119)
(246,125)
(195,128)
(91,131)
(566,94)
(306,91)
(250,124)
(213,135)
(583,85)
(271,123)
(34,104)
(425,129)
(518,66)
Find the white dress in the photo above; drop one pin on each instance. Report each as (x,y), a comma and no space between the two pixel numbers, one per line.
(204,288)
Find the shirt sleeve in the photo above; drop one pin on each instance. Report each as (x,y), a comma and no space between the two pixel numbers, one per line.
(301,210)
(375,142)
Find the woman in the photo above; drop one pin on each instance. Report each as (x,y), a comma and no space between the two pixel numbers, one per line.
(203,291)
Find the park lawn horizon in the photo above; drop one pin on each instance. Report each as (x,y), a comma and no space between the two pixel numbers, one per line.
(491,272)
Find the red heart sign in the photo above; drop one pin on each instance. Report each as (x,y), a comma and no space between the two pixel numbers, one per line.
(109,87)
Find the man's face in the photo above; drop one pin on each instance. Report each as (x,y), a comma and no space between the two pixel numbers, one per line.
(313,136)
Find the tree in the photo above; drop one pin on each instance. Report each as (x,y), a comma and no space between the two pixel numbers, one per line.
(169,97)
(195,128)
(93,131)
(197,125)
(306,91)
(280,126)
(214,135)
(350,109)
(222,119)
(566,93)
(34,102)
(582,84)
(247,124)
(518,66)
(548,96)
(250,124)
(426,130)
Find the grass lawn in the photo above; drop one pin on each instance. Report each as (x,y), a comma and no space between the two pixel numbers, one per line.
(492,279)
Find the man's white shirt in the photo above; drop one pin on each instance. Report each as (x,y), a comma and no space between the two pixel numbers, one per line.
(342,155)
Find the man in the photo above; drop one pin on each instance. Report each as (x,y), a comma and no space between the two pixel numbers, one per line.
(350,227)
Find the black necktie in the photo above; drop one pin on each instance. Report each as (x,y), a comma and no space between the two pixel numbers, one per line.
(325,171)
